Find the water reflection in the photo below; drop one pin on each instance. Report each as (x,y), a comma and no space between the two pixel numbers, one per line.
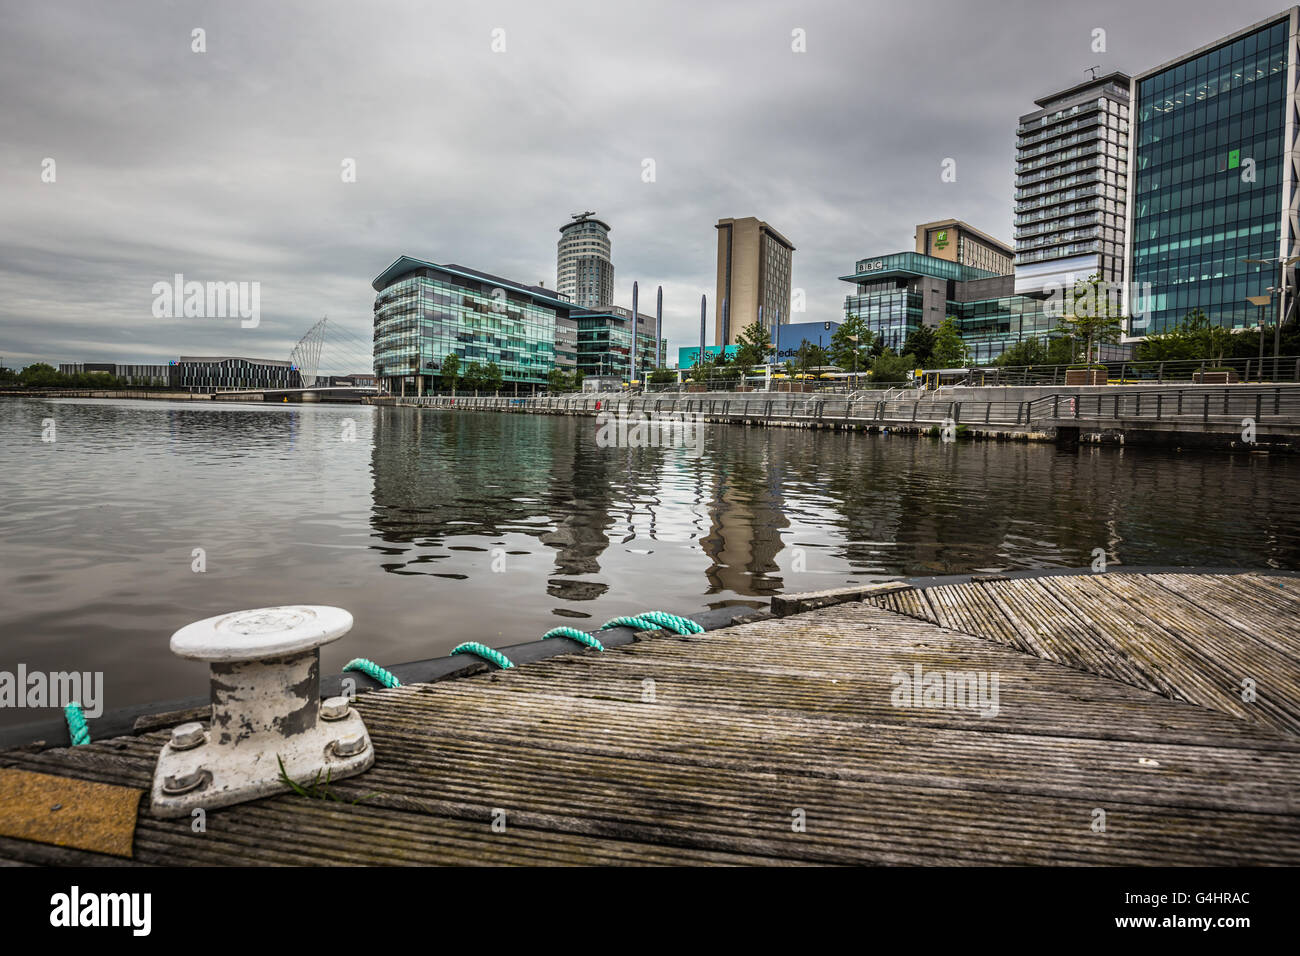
(436,528)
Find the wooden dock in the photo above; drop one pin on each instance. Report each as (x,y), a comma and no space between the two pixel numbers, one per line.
(783,741)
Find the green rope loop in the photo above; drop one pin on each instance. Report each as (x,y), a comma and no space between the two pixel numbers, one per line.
(636,623)
(78,732)
(485,652)
(371,669)
(582,637)
(656,621)
(671,622)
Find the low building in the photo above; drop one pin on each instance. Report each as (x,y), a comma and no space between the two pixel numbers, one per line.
(130,374)
(223,373)
(688,355)
(790,338)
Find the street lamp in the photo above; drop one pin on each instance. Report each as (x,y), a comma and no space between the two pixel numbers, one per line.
(1262,301)
(854,340)
(1282,263)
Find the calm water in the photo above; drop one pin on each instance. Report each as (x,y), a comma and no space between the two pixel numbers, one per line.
(404,525)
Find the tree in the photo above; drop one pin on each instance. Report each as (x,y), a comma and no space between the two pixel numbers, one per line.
(558,381)
(472,379)
(1091,315)
(949,349)
(889,367)
(492,377)
(847,353)
(1030,351)
(662,376)
(1192,338)
(450,369)
(754,344)
(920,343)
(810,357)
(40,375)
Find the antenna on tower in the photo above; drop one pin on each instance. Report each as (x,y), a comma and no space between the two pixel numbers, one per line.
(579,216)
(1093,70)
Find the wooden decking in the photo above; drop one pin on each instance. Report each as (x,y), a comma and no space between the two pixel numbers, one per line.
(749,730)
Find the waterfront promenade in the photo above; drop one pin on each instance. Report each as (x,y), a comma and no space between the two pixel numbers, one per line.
(1209,415)
(1117,735)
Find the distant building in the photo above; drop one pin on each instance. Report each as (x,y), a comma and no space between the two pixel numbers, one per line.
(584,272)
(605,341)
(215,374)
(961,242)
(131,374)
(425,311)
(899,293)
(754,266)
(566,343)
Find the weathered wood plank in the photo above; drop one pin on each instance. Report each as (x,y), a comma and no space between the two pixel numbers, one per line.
(747,728)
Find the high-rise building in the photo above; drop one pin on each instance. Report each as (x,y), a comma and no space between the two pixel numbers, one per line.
(1071,182)
(1213,179)
(962,243)
(754,262)
(584,272)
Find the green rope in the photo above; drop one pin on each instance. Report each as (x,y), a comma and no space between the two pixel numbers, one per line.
(582,637)
(78,732)
(671,622)
(636,623)
(371,669)
(485,652)
(656,621)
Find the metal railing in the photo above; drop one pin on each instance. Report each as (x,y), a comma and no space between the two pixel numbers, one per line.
(1222,405)
(1282,369)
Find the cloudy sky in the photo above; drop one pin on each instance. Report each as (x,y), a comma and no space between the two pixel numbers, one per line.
(226,165)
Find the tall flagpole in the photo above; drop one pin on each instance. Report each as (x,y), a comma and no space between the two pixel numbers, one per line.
(632,365)
(659,324)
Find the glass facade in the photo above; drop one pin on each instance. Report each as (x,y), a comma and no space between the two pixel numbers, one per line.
(888,310)
(605,342)
(891,299)
(1196,214)
(427,314)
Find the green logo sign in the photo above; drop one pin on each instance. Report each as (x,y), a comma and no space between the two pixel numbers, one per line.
(941,239)
(1234,158)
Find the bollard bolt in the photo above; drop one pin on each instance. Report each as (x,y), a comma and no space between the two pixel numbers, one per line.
(183,783)
(336,708)
(349,745)
(188,736)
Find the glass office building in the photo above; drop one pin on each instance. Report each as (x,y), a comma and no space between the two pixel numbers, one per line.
(897,294)
(425,312)
(1210,179)
(605,342)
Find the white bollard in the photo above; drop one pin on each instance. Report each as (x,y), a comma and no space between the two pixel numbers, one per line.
(266,710)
